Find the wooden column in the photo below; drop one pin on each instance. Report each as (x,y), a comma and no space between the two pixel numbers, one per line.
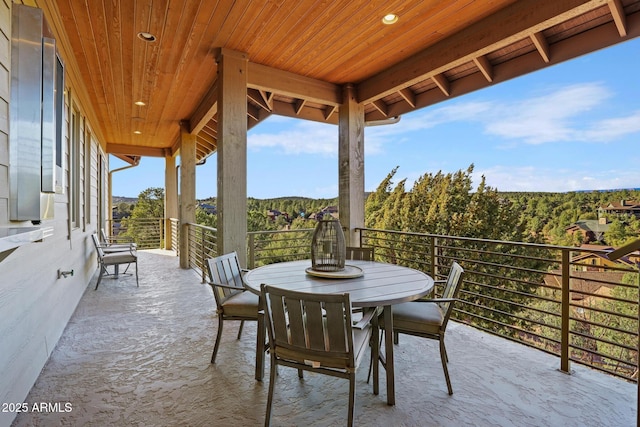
(170,197)
(232,153)
(351,168)
(187,189)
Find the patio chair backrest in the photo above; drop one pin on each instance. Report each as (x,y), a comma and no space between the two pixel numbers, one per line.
(308,328)
(451,290)
(105,238)
(225,270)
(362,254)
(98,246)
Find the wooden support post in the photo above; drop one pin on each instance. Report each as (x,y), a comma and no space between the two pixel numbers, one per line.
(351,164)
(170,198)
(232,153)
(187,189)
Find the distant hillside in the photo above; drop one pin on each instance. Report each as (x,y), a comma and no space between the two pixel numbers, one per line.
(120,199)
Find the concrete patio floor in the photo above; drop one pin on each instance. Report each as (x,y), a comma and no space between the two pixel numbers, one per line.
(140,357)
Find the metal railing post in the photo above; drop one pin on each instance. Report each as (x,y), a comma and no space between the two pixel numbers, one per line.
(565,312)
(201,256)
(252,253)
(434,270)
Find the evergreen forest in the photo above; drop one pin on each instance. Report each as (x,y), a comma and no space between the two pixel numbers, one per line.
(440,203)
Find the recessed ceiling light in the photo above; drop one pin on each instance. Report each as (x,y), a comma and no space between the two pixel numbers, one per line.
(148,37)
(140,103)
(390,18)
(137,132)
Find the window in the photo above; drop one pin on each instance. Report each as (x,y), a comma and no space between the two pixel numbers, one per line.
(75,168)
(88,183)
(59,121)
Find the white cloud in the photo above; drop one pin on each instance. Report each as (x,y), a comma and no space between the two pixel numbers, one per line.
(531,178)
(546,118)
(609,129)
(298,137)
(555,116)
(306,137)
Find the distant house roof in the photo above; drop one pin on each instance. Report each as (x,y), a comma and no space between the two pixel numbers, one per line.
(622,206)
(583,283)
(589,225)
(208,208)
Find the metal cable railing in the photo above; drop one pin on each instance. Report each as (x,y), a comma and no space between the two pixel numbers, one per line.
(567,301)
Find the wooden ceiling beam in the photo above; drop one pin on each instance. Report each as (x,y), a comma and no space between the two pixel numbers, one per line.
(617,11)
(208,138)
(205,148)
(268,98)
(441,81)
(253,112)
(542,46)
(588,41)
(485,67)
(329,110)
(409,96)
(257,96)
(289,84)
(508,25)
(137,150)
(207,108)
(381,106)
(299,105)
(313,114)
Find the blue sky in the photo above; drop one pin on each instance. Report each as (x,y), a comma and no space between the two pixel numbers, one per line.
(572,126)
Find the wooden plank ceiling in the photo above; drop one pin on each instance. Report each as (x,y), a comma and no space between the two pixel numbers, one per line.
(302,52)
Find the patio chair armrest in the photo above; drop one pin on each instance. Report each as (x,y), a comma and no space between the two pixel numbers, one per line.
(220,285)
(366,319)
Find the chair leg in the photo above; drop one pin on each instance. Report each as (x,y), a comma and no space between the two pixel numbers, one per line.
(137,283)
(443,358)
(102,268)
(260,348)
(352,398)
(218,336)
(375,355)
(272,383)
(240,330)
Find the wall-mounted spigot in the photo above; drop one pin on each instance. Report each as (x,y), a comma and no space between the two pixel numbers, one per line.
(64,274)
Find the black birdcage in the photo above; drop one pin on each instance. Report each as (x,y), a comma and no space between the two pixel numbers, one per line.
(328,248)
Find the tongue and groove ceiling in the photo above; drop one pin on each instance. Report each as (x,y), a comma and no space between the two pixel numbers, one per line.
(301,53)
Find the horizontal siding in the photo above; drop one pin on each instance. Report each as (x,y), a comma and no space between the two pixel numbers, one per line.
(35,305)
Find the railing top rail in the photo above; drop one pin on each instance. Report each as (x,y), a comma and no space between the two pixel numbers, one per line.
(497,242)
(193,224)
(295,230)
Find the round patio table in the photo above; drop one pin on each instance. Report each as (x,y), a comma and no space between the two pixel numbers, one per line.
(368,283)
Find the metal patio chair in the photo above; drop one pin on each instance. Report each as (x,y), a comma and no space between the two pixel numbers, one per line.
(428,318)
(356,253)
(106,258)
(235,302)
(314,332)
